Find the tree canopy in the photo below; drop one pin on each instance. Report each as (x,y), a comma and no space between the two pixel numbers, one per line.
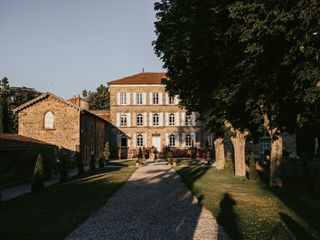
(99,99)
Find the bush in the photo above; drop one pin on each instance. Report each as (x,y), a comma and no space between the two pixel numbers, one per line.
(140,156)
(229,165)
(92,162)
(37,184)
(119,153)
(106,152)
(169,156)
(64,155)
(253,175)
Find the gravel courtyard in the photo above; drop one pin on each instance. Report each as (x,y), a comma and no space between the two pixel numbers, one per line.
(153,204)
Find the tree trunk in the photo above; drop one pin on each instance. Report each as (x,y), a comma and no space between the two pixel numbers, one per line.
(219,152)
(275,160)
(239,146)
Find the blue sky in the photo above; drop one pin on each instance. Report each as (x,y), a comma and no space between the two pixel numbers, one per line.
(65,46)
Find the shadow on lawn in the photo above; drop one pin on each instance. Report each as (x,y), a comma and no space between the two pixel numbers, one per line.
(228,218)
(297,230)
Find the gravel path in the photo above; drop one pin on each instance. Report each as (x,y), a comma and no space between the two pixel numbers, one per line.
(153,204)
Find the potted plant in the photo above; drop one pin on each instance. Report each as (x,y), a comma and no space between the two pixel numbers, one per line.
(155,152)
(140,158)
(169,156)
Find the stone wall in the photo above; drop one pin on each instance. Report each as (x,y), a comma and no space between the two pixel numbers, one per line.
(66,123)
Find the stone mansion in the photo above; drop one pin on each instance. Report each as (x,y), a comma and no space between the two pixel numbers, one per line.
(147,116)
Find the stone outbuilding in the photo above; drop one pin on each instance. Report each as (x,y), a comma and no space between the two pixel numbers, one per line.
(68,124)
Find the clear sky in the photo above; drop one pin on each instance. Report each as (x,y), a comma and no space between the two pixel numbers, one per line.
(65,46)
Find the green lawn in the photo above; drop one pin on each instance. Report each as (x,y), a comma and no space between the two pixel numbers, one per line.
(249,210)
(58,210)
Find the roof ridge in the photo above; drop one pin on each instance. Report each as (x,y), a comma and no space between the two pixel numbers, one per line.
(140,78)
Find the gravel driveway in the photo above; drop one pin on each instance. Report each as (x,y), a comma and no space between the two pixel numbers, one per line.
(153,204)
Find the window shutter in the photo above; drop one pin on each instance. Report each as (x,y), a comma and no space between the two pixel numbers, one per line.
(183,118)
(150,119)
(167,139)
(128,99)
(150,98)
(134,98)
(144,98)
(144,139)
(167,118)
(193,119)
(118,98)
(160,98)
(133,140)
(134,119)
(128,119)
(118,119)
(176,100)
(161,119)
(177,142)
(183,140)
(193,138)
(144,119)
(177,119)
(129,140)
(167,99)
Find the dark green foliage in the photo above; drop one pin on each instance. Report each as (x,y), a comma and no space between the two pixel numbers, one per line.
(79,164)
(229,164)
(140,156)
(49,161)
(99,99)
(64,156)
(37,184)
(253,174)
(106,152)
(1,117)
(92,162)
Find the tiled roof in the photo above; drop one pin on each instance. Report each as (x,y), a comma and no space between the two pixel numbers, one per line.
(15,141)
(141,78)
(102,114)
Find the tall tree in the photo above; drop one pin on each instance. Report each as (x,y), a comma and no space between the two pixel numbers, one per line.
(4,94)
(99,99)
(1,116)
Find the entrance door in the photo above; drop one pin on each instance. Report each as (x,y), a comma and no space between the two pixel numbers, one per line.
(156,142)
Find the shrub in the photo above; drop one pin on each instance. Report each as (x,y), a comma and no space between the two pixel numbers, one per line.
(106,152)
(253,175)
(119,153)
(169,156)
(37,184)
(229,165)
(63,155)
(140,156)
(180,153)
(92,162)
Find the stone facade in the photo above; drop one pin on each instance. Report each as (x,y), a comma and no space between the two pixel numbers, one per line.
(128,100)
(70,126)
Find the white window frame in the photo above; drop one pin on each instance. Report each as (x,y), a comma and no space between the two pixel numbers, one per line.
(139,140)
(188,120)
(188,140)
(49,120)
(171,119)
(123,98)
(155,98)
(171,100)
(155,119)
(139,119)
(139,98)
(123,120)
(172,140)
(265,144)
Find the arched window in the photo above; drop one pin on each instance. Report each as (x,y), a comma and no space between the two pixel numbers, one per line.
(139,140)
(172,140)
(171,119)
(155,119)
(188,140)
(123,120)
(49,120)
(139,119)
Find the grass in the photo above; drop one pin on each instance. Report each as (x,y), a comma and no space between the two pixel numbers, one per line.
(58,210)
(251,210)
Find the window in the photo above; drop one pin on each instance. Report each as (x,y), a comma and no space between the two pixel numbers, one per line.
(172,140)
(155,119)
(155,98)
(49,120)
(123,141)
(139,119)
(171,100)
(139,98)
(171,119)
(123,120)
(139,140)
(188,140)
(123,98)
(188,119)
(265,144)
